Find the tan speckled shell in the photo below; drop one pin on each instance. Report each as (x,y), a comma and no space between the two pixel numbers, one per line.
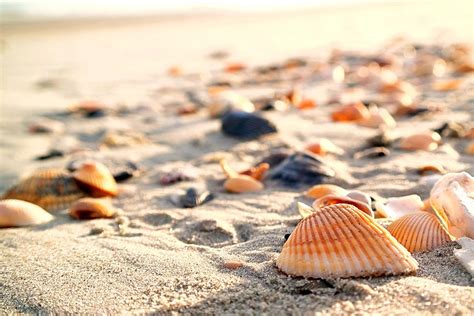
(341,241)
(242,183)
(16,213)
(96,179)
(51,189)
(90,208)
(335,199)
(419,232)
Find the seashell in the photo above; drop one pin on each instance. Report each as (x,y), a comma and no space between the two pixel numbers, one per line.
(257,172)
(53,153)
(465,255)
(91,109)
(447,85)
(431,169)
(378,118)
(95,179)
(226,101)
(17,213)
(91,208)
(423,141)
(370,153)
(351,112)
(323,147)
(304,210)
(228,170)
(469,148)
(451,129)
(246,125)
(194,197)
(187,108)
(242,183)
(301,168)
(452,198)
(397,207)
(319,190)
(341,241)
(51,189)
(124,138)
(419,232)
(306,104)
(45,125)
(334,199)
(384,139)
(275,158)
(360,196)
(234,67)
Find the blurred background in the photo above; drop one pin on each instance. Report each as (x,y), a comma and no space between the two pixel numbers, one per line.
(56,52)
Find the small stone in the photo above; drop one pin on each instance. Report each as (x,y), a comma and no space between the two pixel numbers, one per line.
(233,264)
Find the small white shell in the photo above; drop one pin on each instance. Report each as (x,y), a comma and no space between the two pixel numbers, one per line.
(397,207)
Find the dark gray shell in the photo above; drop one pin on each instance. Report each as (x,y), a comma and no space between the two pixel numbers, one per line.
(245,125)
(194,197)
(301,169)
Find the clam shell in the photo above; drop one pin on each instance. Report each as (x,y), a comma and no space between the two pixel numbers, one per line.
(334,199)
(397,207)
(351,112)
(301,168)
(17,213)
(51,189)
(90,208)
(95,179)
(245,125)
(452,198)
(320,190)
(419,232)
(242,183)
(423,141)
(341,241)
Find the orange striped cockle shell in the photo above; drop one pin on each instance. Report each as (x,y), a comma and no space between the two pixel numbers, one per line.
(397,207)
(96,179)
(351,112)
(341,241)
(90,208)
(239,183)
(419,232)
(324,146)
(16,213)
(335,199)
(452,198)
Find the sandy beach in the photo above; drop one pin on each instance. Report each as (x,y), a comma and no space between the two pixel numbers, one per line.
(158,257)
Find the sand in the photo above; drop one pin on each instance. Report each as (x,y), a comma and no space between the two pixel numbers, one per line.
(160,258)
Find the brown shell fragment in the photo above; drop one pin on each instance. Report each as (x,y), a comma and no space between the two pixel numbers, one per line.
(96,179)
(17,213)
(419,232)
(342,241)
(90,208)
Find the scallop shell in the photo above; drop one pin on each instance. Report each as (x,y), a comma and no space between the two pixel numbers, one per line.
(419,232)
(423,141)
(301,168)
(351,112)
(324,146)
(16,213)
(245,125)
(397,207)
(334,199)
(341,241)
(51,189)
(95,179)
(90,208)
(452,197)
(242,183)
(320,190)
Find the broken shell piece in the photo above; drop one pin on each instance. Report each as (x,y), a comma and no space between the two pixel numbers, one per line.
(242,183)
(378,118)
(419,232)
(452,197)
(319,190)
(17,213)
(351,112)
(95,179)
(423,141)
(323,147)
(334,199)
(397,207)
(333,242)
(431,169)
(257,172)
(90,208)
